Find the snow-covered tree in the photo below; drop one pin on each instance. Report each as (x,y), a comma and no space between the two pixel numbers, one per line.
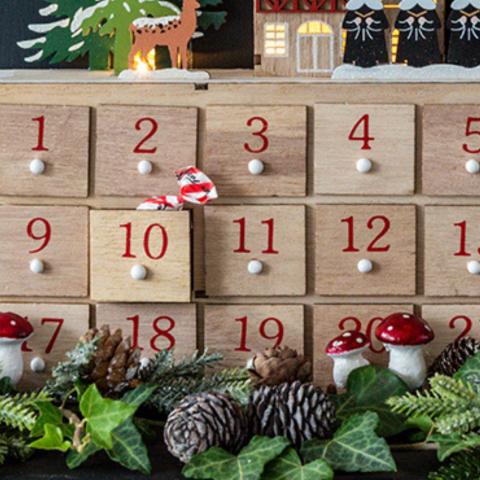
(56,42)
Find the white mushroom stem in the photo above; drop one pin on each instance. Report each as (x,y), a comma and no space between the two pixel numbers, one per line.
(344,364)
(11,359)
(408,363)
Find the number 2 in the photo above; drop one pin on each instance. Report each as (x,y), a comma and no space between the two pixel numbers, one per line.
(469,131)
(140,148)
(364,137)
(260,134)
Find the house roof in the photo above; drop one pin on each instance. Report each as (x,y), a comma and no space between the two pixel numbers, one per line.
(299,6)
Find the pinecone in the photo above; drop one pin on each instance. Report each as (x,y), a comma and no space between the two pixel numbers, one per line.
(202,421)
(114,367)
(293,410)
(278,365)
(454,356)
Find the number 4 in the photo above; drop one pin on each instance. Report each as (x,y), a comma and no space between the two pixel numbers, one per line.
(356,136)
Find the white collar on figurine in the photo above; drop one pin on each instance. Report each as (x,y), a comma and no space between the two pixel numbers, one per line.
(372,4)
(425,4)
(461,4)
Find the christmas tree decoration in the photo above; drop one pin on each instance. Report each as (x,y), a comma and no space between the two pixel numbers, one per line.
(346,352)
(365,24)
(463,25)
(195,188)
(404,336)
(418,24)
(293,410)
(202,421)
(454,356)
(14,331)
(279,365)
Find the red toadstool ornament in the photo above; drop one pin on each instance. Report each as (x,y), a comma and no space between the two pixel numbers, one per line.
(346,352)
(14,330)
(404,336)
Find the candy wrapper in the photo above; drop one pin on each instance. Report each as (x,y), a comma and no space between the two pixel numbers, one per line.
(195,188)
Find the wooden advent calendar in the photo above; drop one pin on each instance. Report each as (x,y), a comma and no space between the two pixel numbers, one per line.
(70,235)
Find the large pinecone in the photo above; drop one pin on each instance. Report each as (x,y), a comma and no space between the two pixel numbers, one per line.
(454,356)
(293,410)
(278,365)
(115,366)
(205,420)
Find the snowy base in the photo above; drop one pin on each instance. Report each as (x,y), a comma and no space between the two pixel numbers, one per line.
(164,75)
(403,73)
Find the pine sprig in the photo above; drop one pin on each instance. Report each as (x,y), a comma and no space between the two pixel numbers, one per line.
(464,466)
(14,445)
(453,405)
(18,411)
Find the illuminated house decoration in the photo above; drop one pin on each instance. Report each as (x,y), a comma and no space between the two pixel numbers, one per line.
(305,37)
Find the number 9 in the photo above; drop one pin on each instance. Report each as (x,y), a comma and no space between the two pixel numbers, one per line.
(45,236)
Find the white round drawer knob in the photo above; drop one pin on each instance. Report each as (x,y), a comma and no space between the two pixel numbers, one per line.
(37,365)
(256,167)
(365,266)
(472,166)
(37,266)
(473,267)
(145,167)
(255,267)
(138,272)
(364,165)
(37,167)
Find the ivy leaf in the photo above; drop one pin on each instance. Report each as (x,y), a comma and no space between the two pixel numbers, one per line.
(355,447)
(75,459)
(103,415)
(49,414)
(52,439)
(128,448)
(217,464)
(455,443)
(470,372)
(368,388)
(288,466)
(139,395)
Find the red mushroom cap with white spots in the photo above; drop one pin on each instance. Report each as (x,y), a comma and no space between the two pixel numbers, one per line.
(347,342)
(404,329)
(14,327)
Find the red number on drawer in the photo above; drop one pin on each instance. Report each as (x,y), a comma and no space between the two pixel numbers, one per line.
(159,332)
(462,249)
(40,147)
(265,142)
(40,230)
(270,224)
(53,339)
(470,131)
(468,325)
(369,332)
(364,136)
(373,246)
(146,241)
(140,148)
(263,330)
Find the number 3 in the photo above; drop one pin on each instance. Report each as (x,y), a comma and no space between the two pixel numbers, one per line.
(260,134)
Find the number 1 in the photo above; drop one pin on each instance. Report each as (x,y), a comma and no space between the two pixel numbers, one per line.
(41,135)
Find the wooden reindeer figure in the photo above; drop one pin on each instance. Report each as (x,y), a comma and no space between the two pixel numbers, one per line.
(172,31)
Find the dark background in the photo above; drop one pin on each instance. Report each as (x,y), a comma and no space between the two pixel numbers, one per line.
(230,47)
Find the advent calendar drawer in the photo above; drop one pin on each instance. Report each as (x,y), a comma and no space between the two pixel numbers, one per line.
(153,327)
(365,250)
(257,150)
(331,320)
(255,250)
(44,251)
(240,331)
(57,329)
(365,149)
(44,150)
(140,147)
(140,256)
(451,149)
(450,323)
(452,251)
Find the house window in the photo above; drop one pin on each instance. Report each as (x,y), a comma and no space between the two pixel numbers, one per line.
(276,40)
(315,28)
(315,47)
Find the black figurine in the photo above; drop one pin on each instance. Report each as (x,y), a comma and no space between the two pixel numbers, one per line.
(365,24)
(464,26)
(418,25)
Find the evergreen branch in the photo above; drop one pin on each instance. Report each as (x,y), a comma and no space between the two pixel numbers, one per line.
(17,445)
(3,448)
(18,411)
(464,466)
(459,422)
